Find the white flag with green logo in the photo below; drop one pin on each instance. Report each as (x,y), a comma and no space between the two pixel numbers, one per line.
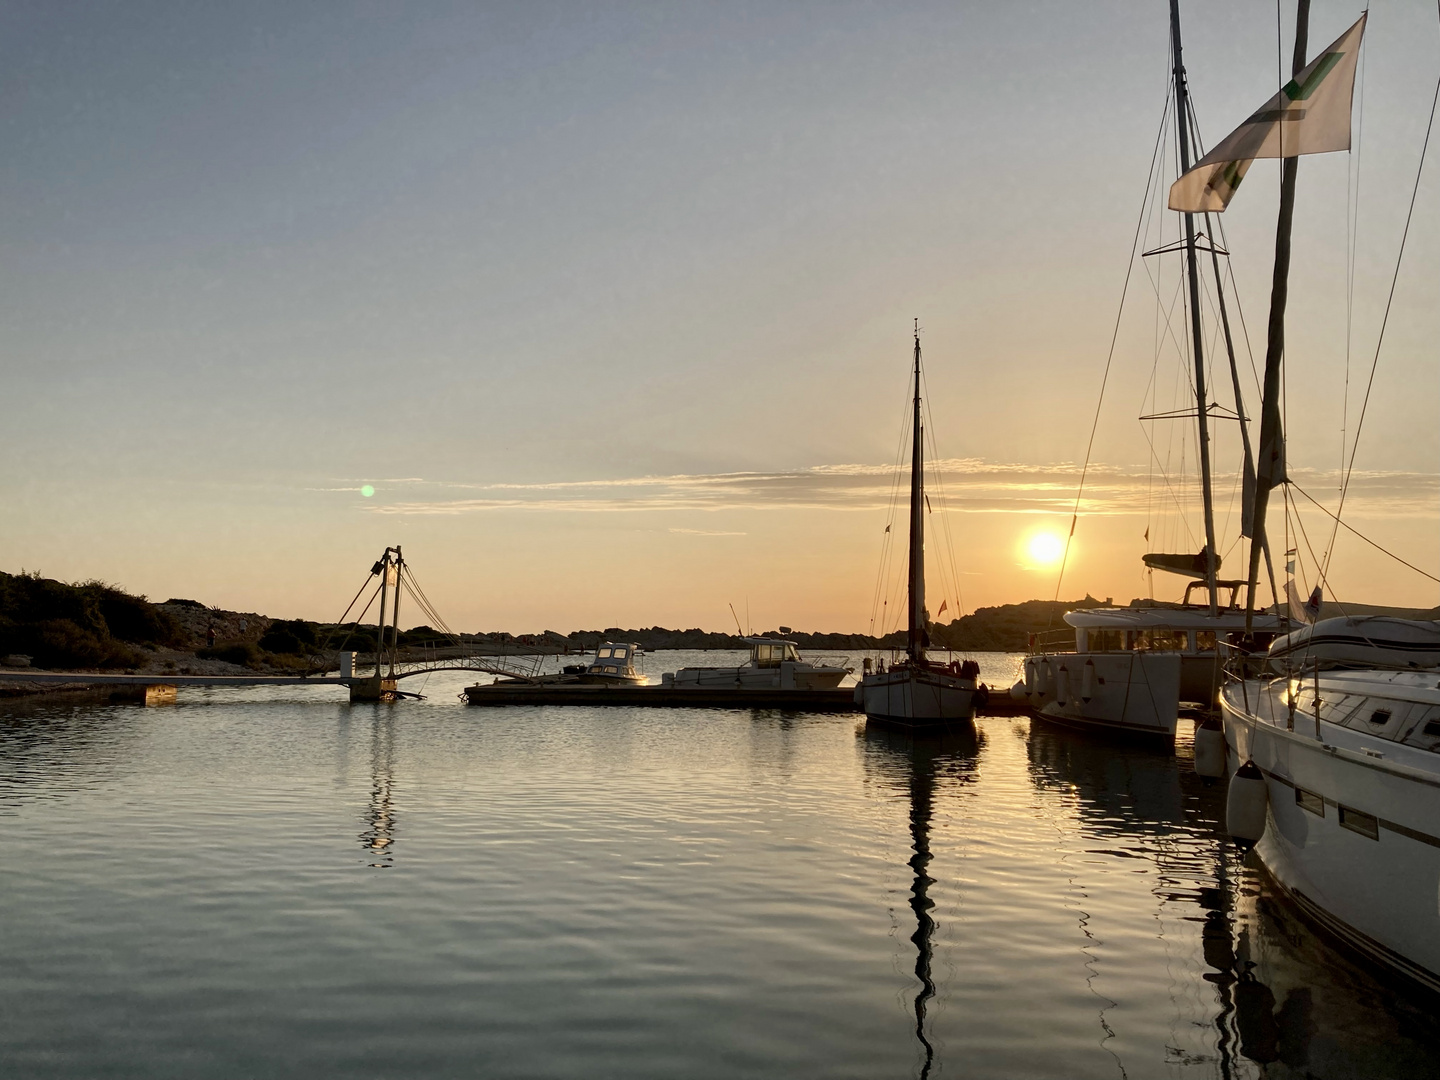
(1310,115)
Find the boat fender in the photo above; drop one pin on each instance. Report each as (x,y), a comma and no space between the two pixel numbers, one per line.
(1062,685)
(1087,681)
(1209,750)
(1030,679)
(859,696)
(1018,691)
(1042,676)
(1245,806)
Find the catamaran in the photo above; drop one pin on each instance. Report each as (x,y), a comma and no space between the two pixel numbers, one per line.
(1131,669)
(916,691)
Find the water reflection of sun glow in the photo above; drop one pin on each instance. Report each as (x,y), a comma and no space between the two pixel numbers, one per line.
(1045,548)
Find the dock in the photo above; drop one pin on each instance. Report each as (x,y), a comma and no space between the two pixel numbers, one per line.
(841,700)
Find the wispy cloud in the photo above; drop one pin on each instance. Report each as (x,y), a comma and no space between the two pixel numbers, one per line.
(707,532)
(963,485)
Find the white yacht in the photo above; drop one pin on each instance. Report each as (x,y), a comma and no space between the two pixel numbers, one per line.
(916,691)
(774,664)
(1351,767)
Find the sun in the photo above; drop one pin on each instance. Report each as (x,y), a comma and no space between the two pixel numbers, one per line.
(1045,548)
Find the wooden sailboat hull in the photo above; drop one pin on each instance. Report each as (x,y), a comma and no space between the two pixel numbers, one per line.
(917,697)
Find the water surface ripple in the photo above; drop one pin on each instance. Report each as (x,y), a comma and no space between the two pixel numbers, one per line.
(276,883)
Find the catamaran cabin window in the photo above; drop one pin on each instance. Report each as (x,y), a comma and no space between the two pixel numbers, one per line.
(1162,640)
(1106,640)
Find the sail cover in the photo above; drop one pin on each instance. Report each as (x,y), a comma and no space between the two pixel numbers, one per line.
(1194,566)
(1310,115)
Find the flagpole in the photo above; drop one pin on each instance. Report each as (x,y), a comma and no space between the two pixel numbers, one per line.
(1270,465)
(1182,119)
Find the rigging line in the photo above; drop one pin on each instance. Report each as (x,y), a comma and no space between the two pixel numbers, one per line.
(1110,356)
(1350,528)
(325,645)
(1173,494)
(1385,320)
(887,539)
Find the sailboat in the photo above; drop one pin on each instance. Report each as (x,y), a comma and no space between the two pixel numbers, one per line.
(1335,758)
(915,691)
(1131,668)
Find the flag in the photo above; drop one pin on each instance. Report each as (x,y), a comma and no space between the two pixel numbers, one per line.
(943,605)
(1289,566)
(1147,534)
(1305,611)
(887,528)
(1310,115)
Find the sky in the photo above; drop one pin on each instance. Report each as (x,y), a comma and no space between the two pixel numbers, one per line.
(610,304)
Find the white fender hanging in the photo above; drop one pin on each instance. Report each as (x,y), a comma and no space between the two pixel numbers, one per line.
(1018,691)
(1087,681)
(1042,676)
(1210,749)
(1030,676)
(1245,806)
(1062,685)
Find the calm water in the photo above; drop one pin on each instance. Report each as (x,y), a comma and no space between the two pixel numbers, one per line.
(275,883)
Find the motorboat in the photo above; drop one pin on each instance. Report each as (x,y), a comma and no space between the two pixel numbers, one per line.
(613,665)
(1350,768)
(915,691)
(774,664)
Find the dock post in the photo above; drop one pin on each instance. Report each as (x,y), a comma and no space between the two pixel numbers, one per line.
(373,688)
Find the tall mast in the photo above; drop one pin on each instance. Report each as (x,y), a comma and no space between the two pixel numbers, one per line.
(1270,463)
(1182,113)
(915,639)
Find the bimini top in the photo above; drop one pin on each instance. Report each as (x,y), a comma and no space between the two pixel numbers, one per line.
(1168,618)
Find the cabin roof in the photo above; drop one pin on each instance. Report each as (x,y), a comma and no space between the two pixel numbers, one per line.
(1166,618)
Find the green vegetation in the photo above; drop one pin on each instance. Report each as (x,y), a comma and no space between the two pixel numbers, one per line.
(86,625)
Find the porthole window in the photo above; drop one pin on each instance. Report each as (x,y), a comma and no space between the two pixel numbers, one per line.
(1380,717)
(1356,821)
(1308,800)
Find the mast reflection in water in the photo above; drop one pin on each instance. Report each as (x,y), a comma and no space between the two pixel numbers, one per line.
(918,761)
(379,833)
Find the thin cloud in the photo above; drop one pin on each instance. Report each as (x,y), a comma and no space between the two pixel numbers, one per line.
(962,485)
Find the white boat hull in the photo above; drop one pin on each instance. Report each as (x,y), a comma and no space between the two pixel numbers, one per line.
(1374,884)
(917,697)
(1136,692)
(786,676)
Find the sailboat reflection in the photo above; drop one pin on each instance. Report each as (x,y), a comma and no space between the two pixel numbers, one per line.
(1278,986)
(919,764)
(379,834)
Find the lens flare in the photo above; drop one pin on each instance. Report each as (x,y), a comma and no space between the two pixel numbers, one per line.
(367,491)
(1045,549)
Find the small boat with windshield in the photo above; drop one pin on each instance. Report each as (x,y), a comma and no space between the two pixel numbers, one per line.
(774,664)
(614,665)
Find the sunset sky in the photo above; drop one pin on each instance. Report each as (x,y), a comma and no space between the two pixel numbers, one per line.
(610,304)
